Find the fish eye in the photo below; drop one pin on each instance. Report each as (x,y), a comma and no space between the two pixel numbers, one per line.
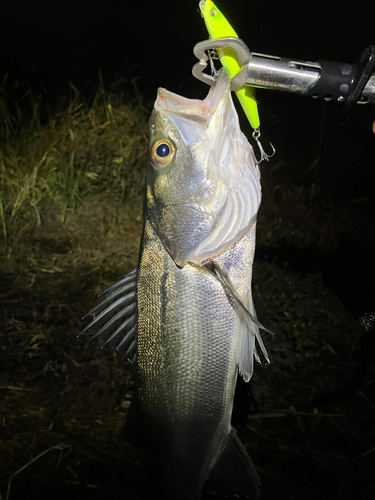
(162,152)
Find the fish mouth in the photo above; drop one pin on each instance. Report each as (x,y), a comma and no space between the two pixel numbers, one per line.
(195,109)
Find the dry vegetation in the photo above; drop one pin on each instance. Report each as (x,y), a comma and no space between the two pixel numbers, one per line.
(71,215)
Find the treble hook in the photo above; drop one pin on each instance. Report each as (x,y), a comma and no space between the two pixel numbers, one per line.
(263,154)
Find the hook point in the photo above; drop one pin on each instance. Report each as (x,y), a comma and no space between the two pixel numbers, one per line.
(263,154)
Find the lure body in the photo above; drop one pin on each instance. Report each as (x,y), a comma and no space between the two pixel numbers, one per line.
(218,27)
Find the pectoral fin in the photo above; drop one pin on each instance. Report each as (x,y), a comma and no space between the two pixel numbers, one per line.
(251,326)
(115,318)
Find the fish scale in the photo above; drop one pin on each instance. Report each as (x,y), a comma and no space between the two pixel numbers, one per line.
(188,340)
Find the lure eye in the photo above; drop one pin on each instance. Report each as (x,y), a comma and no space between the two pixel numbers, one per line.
(213,12)
(162,152)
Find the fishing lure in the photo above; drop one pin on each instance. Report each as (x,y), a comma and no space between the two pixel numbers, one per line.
(218,27)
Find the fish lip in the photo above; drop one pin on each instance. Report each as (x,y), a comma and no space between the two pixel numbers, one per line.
(194,109)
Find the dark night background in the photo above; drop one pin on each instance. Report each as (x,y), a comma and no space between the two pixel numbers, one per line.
(68,41)
(49,44)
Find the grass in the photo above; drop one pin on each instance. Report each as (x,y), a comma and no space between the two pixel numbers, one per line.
(88,147)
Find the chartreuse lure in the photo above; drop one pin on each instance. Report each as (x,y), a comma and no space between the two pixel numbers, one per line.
(218,27)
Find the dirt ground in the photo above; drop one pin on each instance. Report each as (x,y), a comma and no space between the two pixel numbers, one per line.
(307,419)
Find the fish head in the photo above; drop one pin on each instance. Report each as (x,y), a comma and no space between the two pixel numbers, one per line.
(203,186)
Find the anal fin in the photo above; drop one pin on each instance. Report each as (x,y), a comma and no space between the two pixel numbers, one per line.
(234,475)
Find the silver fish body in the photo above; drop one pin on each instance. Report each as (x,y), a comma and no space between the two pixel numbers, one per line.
(192,336)
(187,309)
(187,361)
